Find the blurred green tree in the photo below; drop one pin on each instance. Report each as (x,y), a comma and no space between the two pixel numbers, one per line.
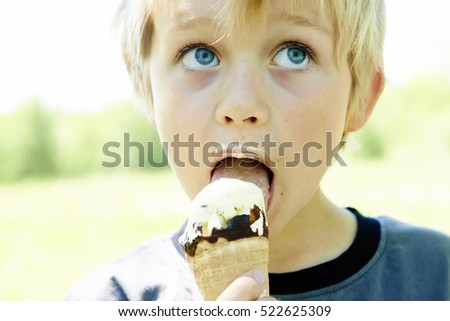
(27,143)
(39,145)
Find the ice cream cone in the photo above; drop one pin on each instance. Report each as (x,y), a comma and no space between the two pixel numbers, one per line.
(226,234)
(216,265)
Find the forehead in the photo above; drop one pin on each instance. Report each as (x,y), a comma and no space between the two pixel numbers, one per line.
(237,16)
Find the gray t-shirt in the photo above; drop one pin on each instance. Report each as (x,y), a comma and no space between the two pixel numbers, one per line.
(408,263)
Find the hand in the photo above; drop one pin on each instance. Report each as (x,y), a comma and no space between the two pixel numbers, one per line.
(247,287)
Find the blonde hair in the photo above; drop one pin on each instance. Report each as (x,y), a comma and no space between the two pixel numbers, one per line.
(358,26)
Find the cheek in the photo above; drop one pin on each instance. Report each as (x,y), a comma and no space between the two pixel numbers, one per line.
(182,104)
(171,108)
(313,119)
(326,99)
(180,116)
(312,109)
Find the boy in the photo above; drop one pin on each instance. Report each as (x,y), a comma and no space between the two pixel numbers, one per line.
(281,75)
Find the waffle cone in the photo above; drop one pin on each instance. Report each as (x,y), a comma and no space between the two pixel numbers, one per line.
(216,265)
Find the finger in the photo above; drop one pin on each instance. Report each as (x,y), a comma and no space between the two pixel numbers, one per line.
(247,287)
(267,298)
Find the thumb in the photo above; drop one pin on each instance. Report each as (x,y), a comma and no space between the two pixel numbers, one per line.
(247,287)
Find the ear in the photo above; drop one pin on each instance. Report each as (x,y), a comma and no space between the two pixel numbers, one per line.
(151,116)
(373,93)
(149,108)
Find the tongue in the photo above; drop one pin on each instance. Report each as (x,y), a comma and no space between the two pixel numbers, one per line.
(244,169)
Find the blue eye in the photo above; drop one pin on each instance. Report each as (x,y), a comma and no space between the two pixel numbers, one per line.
(199,58)
(204,56)
(292,57)
(296,55)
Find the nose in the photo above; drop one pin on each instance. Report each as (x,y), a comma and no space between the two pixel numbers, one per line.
(243,97)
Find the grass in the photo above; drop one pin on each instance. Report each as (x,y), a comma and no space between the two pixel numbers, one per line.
(55,231)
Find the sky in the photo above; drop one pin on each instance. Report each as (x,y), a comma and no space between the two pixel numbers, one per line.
(64,54)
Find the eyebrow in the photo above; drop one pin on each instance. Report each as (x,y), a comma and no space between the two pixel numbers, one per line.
(190,23)
(300,21)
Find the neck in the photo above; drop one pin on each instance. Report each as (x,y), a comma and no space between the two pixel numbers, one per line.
(320,232)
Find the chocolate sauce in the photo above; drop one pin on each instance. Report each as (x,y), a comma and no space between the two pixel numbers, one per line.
(237,228)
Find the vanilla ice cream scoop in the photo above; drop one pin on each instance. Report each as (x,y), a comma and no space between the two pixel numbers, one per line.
(229,208)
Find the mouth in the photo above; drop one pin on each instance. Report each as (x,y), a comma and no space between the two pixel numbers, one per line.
(250,169)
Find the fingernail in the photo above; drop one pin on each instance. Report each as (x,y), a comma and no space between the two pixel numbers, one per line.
(259,276)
